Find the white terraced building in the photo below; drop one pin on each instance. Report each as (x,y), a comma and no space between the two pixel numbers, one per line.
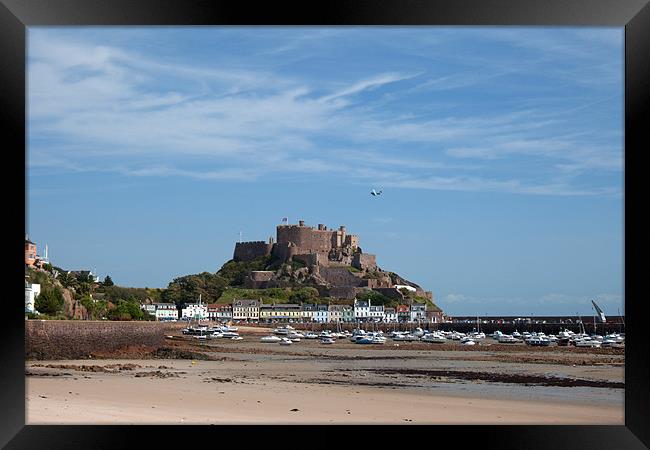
(321,314)
(246,310)
(336,313)
(166,311)
(390,315)
(361,309)
(376,313)
(194,310)
(31,292)
(418,312)
(307,312)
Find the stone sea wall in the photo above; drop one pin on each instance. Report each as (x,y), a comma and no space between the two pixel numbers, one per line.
(72,339)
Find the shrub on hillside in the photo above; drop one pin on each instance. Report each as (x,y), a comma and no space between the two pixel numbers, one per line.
(305,294)
(375,298)
(49,301)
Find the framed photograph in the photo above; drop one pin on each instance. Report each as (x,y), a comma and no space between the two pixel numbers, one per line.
(354,215)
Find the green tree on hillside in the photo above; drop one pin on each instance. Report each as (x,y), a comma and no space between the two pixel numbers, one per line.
(188,288)
(67,280)
(375,298)
(305,294)
(234,272)
(49,301)
(128,310)
(108,281)
(96,308)
(38,277)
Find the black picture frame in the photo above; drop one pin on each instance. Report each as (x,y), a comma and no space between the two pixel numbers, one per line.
(16,15)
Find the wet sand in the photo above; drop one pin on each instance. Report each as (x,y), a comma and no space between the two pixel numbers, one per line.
(309,383)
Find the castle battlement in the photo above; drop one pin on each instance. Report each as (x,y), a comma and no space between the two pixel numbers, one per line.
(302,239)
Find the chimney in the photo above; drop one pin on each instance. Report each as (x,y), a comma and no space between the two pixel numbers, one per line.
(342,228)
(321,226)
(301,223)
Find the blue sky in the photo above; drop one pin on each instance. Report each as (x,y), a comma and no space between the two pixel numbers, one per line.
(499,150)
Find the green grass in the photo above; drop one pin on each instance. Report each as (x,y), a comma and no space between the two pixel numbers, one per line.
(271,295)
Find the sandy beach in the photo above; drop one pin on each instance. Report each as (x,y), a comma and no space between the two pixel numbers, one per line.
(237,382)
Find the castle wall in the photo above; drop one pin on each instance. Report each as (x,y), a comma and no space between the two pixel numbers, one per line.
(261,275)
(373,283)
(313,259)
(306,239)
(283,252)
(352,240)
(364,261)
(246,251)
(345,292)
(340,276)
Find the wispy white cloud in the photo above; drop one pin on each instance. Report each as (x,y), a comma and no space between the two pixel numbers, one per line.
(92,103)
(367,84)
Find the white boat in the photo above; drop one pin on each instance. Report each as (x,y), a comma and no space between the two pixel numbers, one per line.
(371,338)
(357,335)
(284,330)
(405,337)
(295,335)
(507,339)
(467,342)
(327,341)
(611,343)
(615,337)
(538,341)
(311,336)
(294,339)
(496,335)
(236,338)
(419,332)
(285,341)
(434,338)
(467,339)
(585,342)
(271,339)
(229,334)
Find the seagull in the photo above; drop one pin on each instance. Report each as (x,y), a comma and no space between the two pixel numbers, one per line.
(375,193)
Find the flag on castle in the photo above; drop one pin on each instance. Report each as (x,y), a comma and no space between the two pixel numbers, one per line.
(285,220)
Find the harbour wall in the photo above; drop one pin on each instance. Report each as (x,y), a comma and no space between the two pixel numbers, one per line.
(72,339)
(508,328)
(548,328)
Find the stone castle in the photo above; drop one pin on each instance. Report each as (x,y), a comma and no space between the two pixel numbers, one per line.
(328,259)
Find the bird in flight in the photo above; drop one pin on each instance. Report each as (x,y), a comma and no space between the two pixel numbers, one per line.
(375,193)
